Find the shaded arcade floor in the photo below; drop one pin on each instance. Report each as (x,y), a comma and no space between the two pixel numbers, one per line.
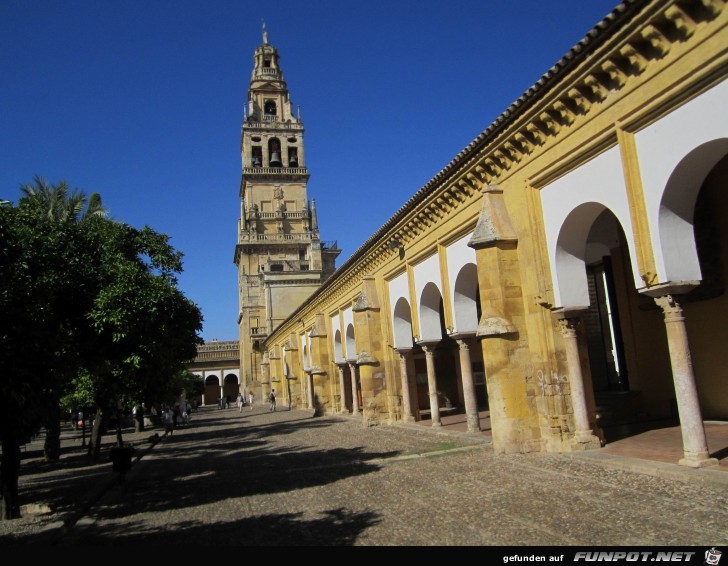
(659,441)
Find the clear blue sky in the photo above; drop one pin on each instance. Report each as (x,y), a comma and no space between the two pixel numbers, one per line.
(142,101)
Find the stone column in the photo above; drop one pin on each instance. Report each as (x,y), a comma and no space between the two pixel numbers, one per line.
(466,370)
(342,394)
(583,435)
(407,415)
(432,384)
(309,390)
(354,394)
(695,445)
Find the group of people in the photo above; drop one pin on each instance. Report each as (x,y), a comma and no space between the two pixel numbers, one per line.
(242,400)
(172,414)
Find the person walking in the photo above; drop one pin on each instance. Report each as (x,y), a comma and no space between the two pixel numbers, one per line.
(240,402)
(272,399)
(250,400)
(168,419)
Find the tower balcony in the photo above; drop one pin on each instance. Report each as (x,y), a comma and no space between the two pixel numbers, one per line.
(294,215)
(271,122)
(253,238)
(275,172)
(254,243)
(258,332)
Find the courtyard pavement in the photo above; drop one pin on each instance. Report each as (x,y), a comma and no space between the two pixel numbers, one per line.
(286,478)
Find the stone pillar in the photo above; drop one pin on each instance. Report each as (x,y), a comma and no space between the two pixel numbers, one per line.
(695,445)
(265,377)
(432,384)
(354,393)
(309,390)
(583,435)
(407,415)
(471,401)
(342,394)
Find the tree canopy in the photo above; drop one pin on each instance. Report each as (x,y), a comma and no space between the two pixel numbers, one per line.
(91,312)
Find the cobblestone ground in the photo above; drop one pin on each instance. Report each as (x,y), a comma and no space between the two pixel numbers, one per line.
(283,478)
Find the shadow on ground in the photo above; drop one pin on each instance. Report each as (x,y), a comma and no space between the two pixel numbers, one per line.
(203,468)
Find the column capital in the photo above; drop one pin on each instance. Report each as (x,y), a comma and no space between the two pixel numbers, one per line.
(428,345)
(460,336)
(404,351)
(670,308)
(569,327)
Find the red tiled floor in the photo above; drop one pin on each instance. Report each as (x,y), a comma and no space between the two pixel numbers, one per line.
(658,444)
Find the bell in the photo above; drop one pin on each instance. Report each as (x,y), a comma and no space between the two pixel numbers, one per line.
(275,159)
(294,161)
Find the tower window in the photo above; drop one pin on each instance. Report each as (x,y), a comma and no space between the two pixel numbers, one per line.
(269,108)
(276,267)
(304,267)
(293,157)
(274,150)
(256,157)
(266,62)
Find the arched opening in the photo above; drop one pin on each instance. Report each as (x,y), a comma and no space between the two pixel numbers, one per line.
(431,322)
(402,324)
(338,351)
(306,364)
(269,108)
(706,307)
(292,156)
(212,390)
(677,210)
(445,351)
(628,381)
(467,313)
(230,388)
(350,343)
(466,306)
(351,354)
(339,359)
(274,151)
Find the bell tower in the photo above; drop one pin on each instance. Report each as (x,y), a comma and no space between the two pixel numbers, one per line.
(280,257)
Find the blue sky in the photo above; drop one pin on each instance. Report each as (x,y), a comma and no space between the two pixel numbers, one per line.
(142,101)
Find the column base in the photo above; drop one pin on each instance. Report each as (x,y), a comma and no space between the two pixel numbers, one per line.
(698,461)
(586,441)
(473,424)
(435,425)
(408,419)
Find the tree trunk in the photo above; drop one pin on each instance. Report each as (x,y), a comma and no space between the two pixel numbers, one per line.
(94,445)
(52,446)
(9,473)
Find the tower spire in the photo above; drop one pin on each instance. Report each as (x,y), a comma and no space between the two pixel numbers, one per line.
(265,34)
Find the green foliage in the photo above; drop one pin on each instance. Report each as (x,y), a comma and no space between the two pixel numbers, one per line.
(91,312)
(58,203)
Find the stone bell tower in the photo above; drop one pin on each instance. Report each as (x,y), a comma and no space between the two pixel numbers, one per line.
(280,257)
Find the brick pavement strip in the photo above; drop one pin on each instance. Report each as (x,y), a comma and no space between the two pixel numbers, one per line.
(284,478)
